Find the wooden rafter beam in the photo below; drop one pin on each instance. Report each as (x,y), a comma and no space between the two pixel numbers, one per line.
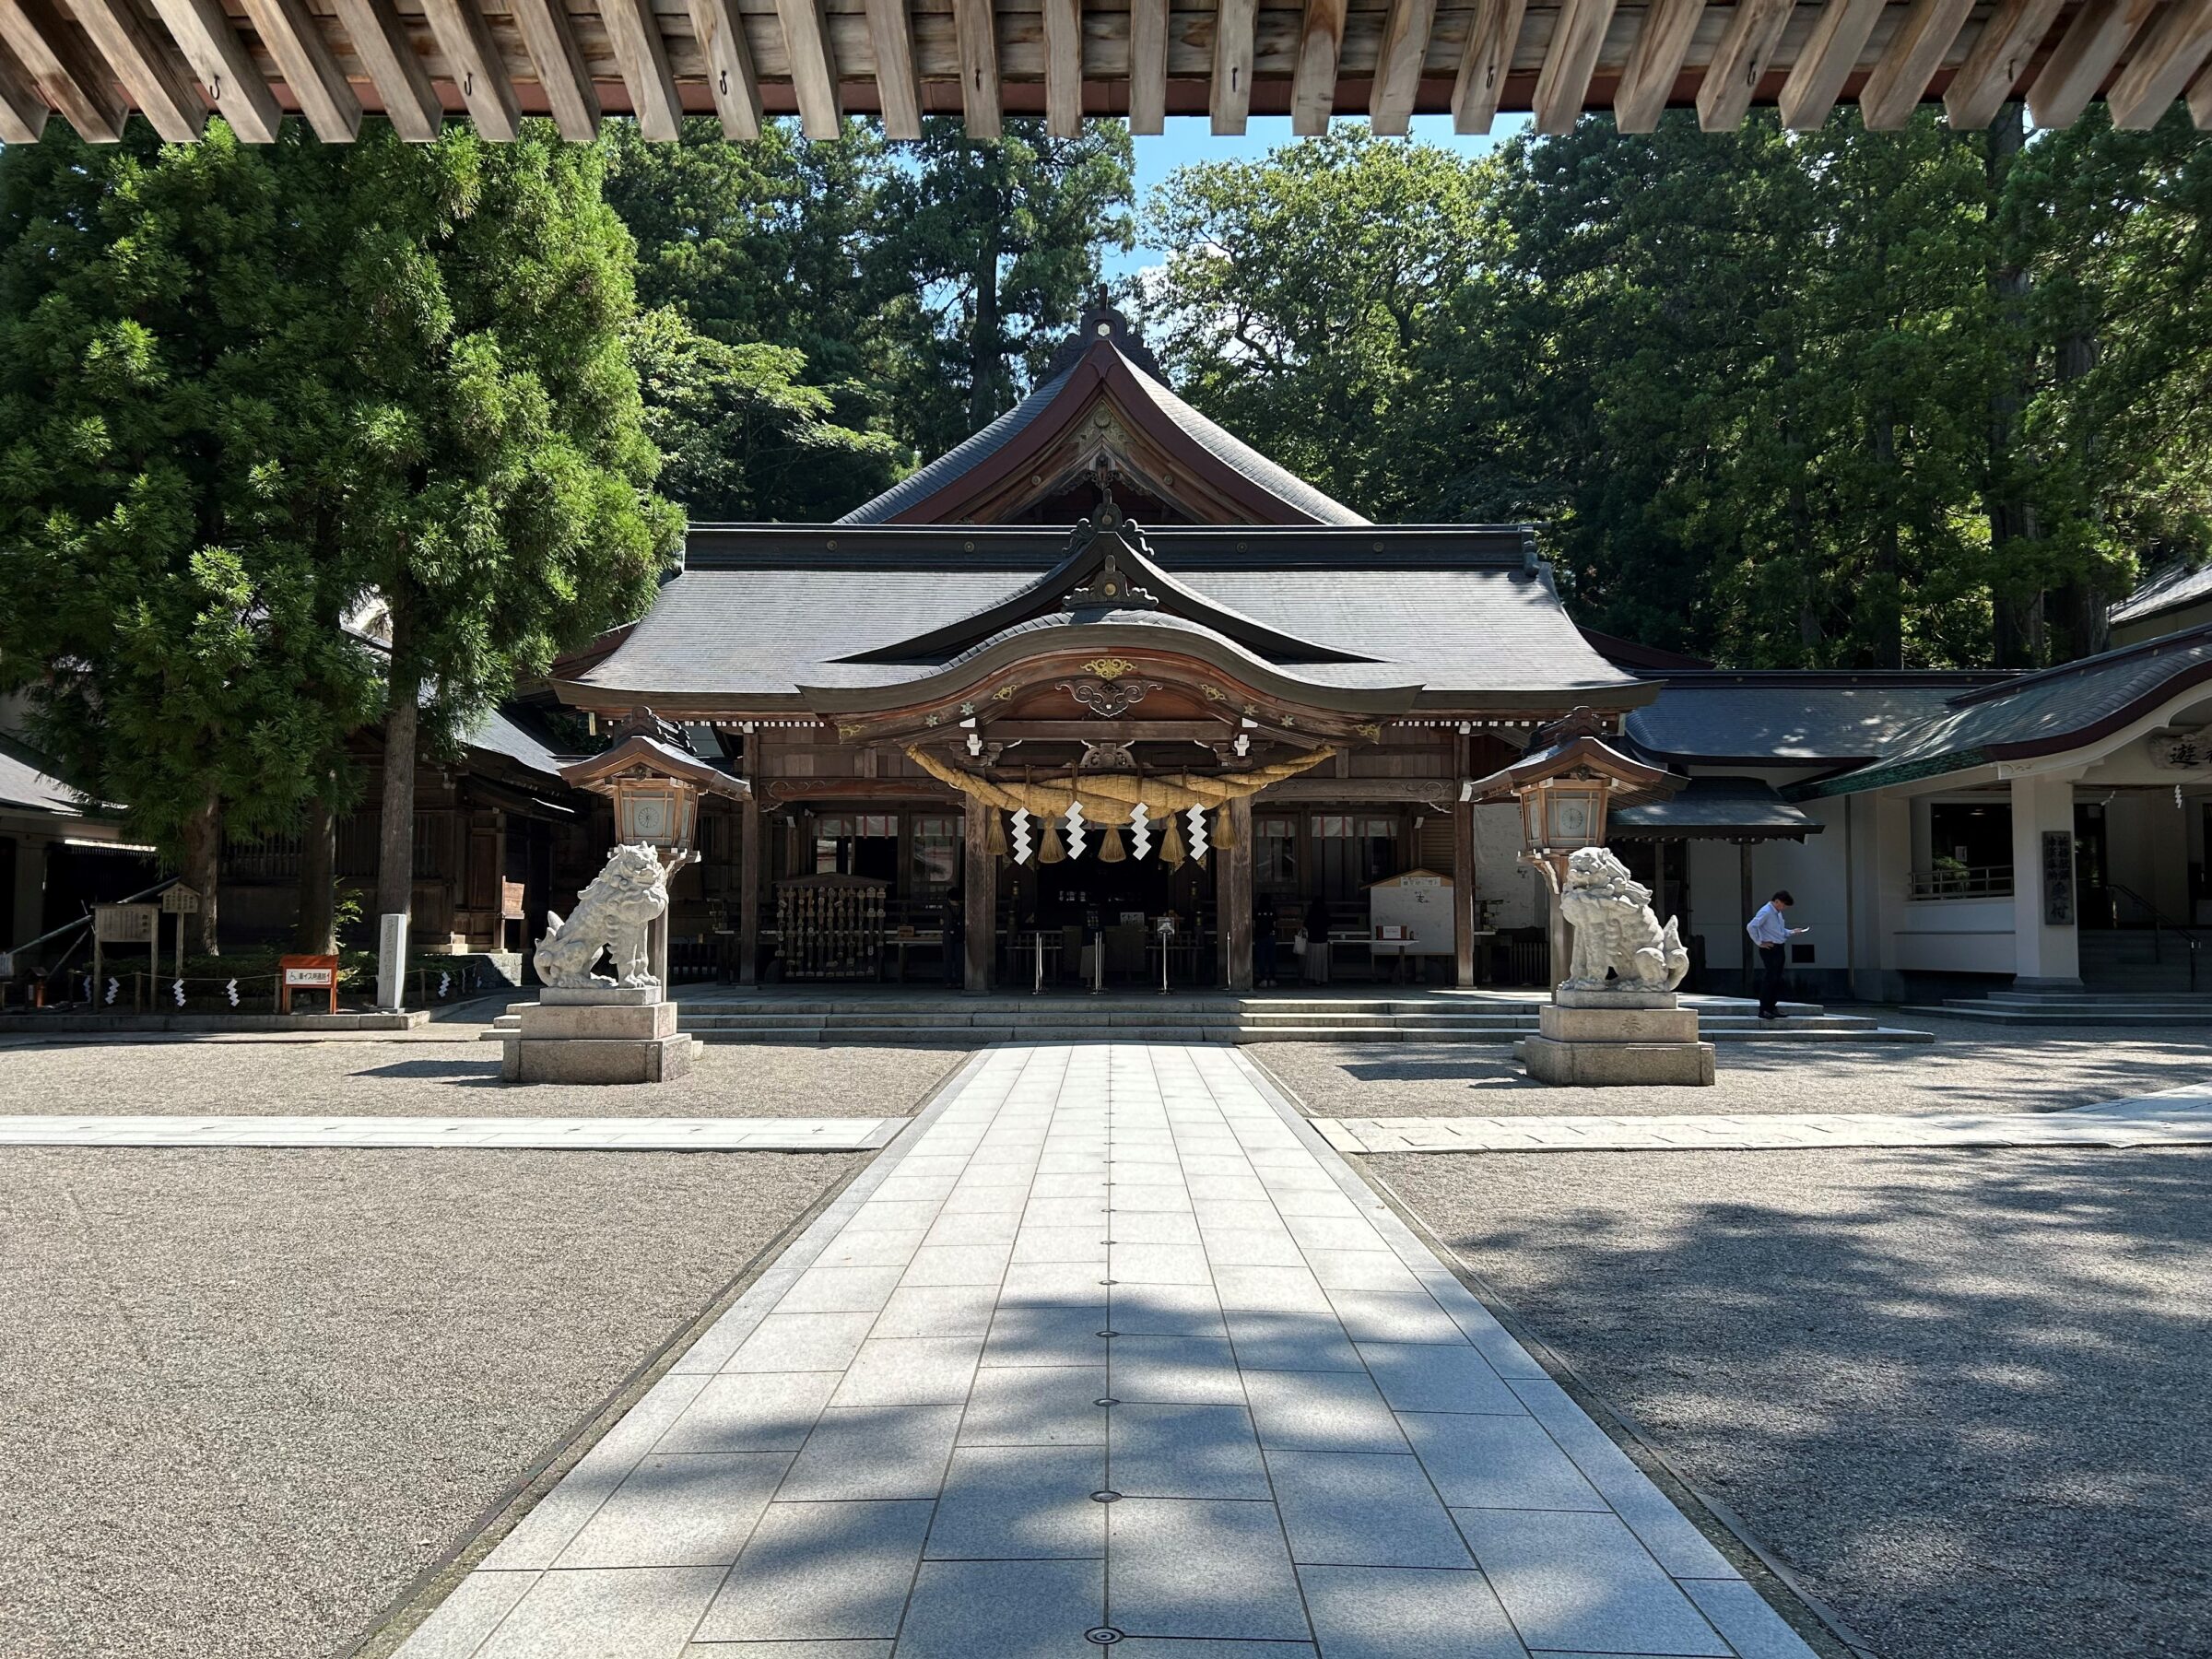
(1230,101)
(1900,80)
(641,56)
(1655,63)
(63,68)
(1147,65)
(1996,61)
(380,43)
(22,112)
(1398,64)
(1064,67)
(898,86)
(210,42)
(472,60)
(562,74)
(154,76)
(1563,83)
(289,33)
(2092,45)
(1313,81)
(975,29)
(813,70)
(1488,60)
(2164,60)
(1754,30)
(1825,62)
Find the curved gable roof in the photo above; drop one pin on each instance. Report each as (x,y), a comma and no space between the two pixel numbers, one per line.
(1104,363)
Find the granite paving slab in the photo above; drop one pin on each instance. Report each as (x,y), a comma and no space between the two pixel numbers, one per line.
(1208,1397)
(2177,1117)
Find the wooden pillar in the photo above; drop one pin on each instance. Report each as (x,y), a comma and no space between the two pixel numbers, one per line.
(748,892)
(1743,868)
(1463,895)
(1233,895)
(982,888)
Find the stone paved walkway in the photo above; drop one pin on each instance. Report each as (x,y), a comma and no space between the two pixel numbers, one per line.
(2179,1117)
(469,1133)
(1109,1347)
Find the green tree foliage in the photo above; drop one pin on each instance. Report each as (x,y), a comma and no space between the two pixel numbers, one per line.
(987,253)
(243,389)
(174,419)
(1837,398)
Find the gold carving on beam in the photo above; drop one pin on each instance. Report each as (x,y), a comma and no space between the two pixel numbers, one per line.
(847,731)
(1003,692)
(1372,732)
(1108,668)
(1213,693)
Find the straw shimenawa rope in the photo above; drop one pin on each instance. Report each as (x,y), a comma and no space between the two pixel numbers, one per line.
(1108,796)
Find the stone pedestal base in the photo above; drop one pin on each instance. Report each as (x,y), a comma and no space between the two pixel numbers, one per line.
(1599,1038)
(620,1036)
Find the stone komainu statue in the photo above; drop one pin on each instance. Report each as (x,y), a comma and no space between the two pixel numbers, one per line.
(1614,928)
(616,915)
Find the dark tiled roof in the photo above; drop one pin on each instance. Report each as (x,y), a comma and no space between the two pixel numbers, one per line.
(1799,718)
(1715,809)
(923,483)
(1104,340)
(2041,713)
(1461,611)
(26,786)
(2165,590)
(511,734)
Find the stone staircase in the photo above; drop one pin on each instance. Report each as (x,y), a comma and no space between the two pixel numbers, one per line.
(883,1017)
(2128,979)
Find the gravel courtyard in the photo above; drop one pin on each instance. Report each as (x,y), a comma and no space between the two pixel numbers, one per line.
(421,1078)
(1972,1065)
(249,1395)
(1962,1395)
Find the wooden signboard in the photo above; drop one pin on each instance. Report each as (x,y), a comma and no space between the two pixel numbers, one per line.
(181,902)
(124,924)
(2058,878)
(309,974)
(1411,915)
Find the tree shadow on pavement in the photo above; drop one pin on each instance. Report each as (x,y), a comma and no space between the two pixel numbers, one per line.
(1964,1396)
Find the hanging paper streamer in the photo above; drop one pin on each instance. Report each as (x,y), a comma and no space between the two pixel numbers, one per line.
(1200,846)
(1140,830)
(1021,835)
(230,990)
(1075,843)
(178,990)
(113,987)
(445,982)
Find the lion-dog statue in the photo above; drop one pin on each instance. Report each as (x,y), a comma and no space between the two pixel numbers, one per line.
(1614,928)
(615,914)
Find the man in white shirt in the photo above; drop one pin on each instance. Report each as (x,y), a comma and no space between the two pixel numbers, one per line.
(1769,932)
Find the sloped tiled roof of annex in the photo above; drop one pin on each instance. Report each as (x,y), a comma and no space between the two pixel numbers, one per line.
(1057,400)
(2170,589)
(1793,716)
(26,786)
(2041,713)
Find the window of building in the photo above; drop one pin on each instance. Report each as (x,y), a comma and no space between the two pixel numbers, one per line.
(1353,850)
(933,854)
(857,843)
(1275,855)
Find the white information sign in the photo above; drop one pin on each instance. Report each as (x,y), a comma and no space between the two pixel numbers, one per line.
(1411,914)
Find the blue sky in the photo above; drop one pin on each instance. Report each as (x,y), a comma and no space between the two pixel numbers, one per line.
(1190,139)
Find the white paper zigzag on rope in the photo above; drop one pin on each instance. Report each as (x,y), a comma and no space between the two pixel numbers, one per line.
(1200,846)
(1140,830)
(1019,833)
(1075,843)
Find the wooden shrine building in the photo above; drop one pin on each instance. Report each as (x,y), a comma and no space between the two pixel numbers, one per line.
(1102,600)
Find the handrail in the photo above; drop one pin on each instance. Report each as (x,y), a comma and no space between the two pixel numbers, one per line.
(1961,881)
(2159,924)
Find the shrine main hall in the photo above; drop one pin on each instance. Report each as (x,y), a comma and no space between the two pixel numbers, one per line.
(1104,697)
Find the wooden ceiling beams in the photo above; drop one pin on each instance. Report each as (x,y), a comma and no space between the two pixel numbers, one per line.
(95,63)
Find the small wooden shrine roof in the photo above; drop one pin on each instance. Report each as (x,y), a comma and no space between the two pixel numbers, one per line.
(95,63)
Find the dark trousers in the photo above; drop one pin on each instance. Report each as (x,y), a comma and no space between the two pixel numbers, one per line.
(1770,979)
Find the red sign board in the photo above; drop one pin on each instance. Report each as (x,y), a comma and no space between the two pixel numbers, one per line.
(310,973)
